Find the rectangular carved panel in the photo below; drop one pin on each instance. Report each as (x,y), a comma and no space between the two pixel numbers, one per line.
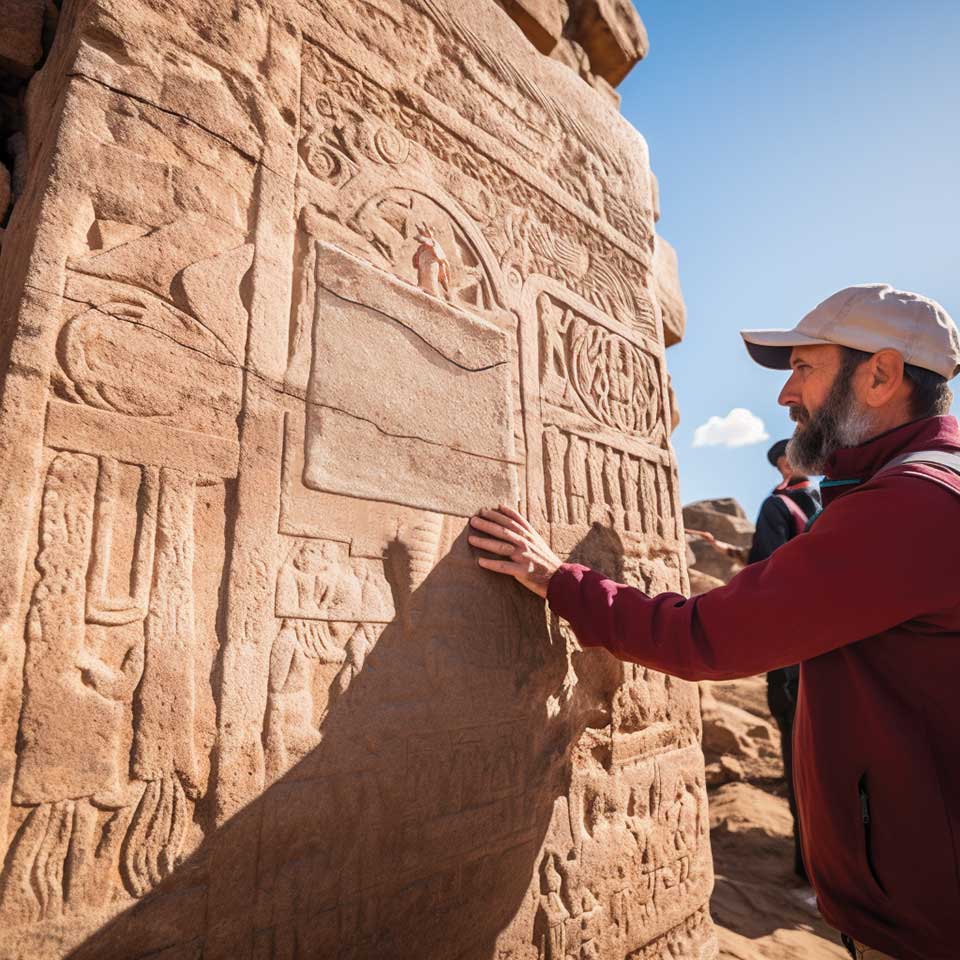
(409,399)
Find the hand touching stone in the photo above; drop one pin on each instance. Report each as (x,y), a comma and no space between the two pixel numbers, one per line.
(521,552)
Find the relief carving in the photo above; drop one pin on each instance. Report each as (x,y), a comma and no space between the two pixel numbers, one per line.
(612,379)
(333,275)
(114,806)
(333,610)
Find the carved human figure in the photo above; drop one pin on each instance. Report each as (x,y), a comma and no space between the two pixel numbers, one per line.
(591,923)
(649,503)
(630,479)
(362,640)
(318,586)
(164,754)
(621,903)
(599,512)
(554,449)
(101,662)
(646,857)
(289,732)
(554,915)
(681,821)
(611,481)
(61,707)
(430,262)
(554,377)
(577,480)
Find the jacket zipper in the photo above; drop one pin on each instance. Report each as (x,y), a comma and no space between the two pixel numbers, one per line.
(865,817)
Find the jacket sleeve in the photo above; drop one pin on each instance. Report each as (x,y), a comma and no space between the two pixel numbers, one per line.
(774,529)
(880,555)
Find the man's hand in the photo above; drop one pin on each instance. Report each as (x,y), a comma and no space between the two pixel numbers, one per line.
(522,553)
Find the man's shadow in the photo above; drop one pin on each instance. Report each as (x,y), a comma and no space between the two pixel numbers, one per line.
(414,828)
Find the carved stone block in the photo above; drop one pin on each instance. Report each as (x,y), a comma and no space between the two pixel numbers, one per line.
(541,20)
(288,291)
(669,294)
(612,34)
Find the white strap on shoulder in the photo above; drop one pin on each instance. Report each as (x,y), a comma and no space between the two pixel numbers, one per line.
(939,458)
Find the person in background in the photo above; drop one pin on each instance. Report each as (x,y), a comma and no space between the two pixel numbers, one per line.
(794,502)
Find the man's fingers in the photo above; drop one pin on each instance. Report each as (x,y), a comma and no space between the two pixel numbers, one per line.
(493,546)
(507,522)
(516,517)
(504,566)
(495,528)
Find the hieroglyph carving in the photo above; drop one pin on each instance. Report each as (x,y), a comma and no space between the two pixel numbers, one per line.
(602,428)
(292,290)
(333,611)
(121,666)
(613,380)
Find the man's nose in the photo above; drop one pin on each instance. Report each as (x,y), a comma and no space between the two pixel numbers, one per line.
(790,394)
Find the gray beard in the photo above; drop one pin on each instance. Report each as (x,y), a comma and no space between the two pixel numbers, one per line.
(839,423)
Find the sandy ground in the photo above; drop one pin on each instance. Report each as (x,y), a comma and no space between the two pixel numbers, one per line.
(761,909)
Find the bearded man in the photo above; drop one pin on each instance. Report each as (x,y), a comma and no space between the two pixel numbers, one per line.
(878,632)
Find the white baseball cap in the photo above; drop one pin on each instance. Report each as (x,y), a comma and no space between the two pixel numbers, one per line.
(869,317)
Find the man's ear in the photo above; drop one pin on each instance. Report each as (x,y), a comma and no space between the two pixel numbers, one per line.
(886,376)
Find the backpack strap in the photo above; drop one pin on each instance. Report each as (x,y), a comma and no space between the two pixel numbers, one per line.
(798,516)
(939,458)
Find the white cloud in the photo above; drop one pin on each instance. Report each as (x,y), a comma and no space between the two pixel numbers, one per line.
(739,428)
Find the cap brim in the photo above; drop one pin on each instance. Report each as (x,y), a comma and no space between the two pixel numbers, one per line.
(771,348)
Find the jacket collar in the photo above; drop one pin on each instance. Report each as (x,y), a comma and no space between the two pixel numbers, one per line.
(851,466)
(802,483)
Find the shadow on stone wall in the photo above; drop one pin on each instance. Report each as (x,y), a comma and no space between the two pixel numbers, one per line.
(414,827)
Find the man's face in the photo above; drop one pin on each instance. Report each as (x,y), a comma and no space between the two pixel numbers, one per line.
(814,372)
(822,396)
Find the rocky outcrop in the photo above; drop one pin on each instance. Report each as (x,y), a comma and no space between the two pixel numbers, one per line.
(725,520)
(21,35)
(598,39)
(612,34)
(541,20)
(763,912)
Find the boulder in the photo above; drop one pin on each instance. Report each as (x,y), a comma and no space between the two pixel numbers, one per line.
(701,582)
(712,562)
(20,36)
(724,770)
(724,518)
(612,33)
(541,20)
(729,730)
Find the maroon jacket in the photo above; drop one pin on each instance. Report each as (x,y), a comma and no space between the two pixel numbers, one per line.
(869,602)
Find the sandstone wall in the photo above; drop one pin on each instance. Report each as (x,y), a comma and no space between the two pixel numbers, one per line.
(287,291)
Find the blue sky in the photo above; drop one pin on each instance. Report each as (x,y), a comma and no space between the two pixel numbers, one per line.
(800,148)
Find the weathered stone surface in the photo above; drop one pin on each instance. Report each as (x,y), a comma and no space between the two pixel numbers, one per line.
(724,518)
(724,770)
(20,34)
(669,294)
(286,293)
(729,730)
(717,564)
(570,53)
(612,34)
(701,582)
(541,20)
